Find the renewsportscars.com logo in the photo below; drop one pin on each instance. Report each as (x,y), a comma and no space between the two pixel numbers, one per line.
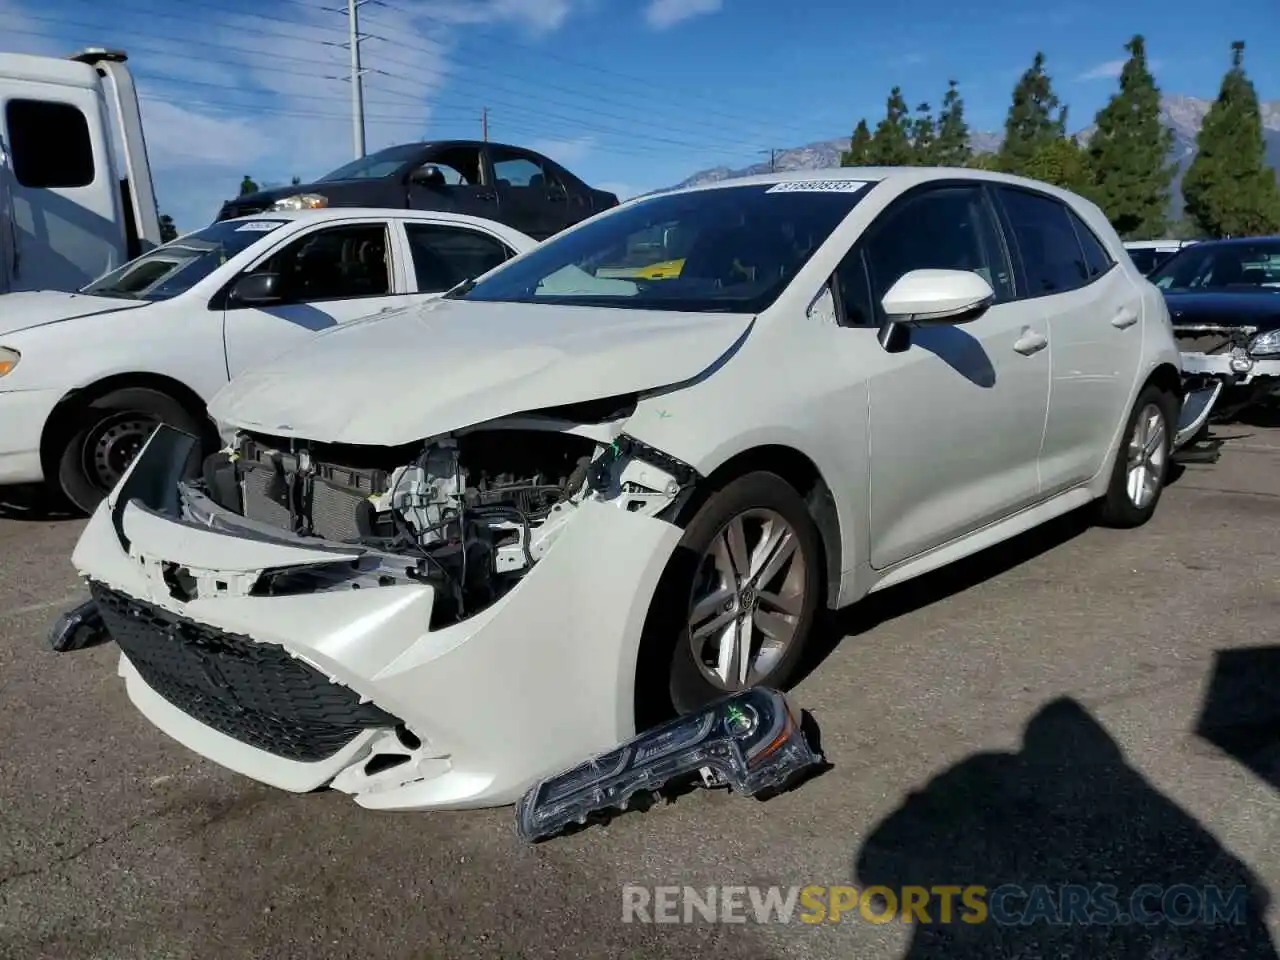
(1007,905)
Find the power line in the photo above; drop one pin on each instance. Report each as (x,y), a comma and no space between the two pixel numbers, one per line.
(647,114)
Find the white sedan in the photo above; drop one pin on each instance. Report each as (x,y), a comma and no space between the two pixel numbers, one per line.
(85,377)
(471,544)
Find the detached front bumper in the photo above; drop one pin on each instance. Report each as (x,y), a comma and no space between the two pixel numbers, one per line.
(1235,369)
(348,687)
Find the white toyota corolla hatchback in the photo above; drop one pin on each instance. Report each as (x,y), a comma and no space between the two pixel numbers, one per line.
(464,545)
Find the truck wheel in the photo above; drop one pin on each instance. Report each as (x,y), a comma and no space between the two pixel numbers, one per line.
(737,602)
(107,434)
(1142,462)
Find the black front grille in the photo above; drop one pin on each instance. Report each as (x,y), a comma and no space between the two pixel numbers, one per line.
(254,692)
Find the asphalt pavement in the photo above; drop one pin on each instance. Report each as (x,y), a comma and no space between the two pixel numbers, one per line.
(1029,716)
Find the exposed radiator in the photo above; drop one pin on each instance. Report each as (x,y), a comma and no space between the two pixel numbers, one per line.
(337,495)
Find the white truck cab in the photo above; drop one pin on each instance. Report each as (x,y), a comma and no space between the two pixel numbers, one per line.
(76,196)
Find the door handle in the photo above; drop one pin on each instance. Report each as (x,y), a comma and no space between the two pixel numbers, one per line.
(1124,317)
(1030,342)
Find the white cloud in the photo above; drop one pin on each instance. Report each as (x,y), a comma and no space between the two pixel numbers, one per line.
(623,191)
(661,14)
(268,99)
(568,153)
(1109,70)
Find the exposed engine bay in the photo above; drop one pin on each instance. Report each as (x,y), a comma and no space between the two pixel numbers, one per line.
(469,513)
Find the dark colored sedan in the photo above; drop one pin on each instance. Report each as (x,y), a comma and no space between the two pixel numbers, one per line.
(1224,301)
(512,185)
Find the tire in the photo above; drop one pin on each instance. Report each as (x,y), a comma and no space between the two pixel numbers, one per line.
(1118,507)
(106,435)
(671,677)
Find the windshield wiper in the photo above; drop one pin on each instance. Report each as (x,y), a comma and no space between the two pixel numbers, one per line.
(461,290)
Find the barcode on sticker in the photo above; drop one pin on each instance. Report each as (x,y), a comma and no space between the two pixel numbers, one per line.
(259,226)
(818,186)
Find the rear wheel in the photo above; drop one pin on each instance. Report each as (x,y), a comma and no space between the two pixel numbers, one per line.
(106,435)
(1142,463)
(737,602)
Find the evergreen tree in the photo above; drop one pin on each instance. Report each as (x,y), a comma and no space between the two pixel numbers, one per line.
(1128,153)
(984,161)
(1036,117)
(1060,162)
(247,186)
(924,137)
(952,148)
(859,144)
(167,229)
(295,180)
(1228,189)
(891,144)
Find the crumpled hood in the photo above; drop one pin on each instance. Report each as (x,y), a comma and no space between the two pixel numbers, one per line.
(438,366)
(21,311)
(1249,308)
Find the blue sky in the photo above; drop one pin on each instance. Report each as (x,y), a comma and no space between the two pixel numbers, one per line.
(630,94)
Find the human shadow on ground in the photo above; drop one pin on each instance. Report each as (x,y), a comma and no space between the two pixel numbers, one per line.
(1066,810)
(1241,710)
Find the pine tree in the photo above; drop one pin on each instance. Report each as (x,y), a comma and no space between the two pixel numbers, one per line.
(247,186)
(859,144)
(891,144)
(924,137)
(1130,172)
(1228,189)
(1060,162)
(167,229)
(952,148)
(984,161)
(1036,117)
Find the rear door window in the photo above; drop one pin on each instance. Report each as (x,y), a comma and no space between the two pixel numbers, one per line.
(1053,260)
(444,256)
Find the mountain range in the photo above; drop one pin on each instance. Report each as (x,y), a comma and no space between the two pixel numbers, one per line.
(1182,115)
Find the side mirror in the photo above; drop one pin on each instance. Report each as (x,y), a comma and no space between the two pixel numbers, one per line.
(257,289)
(926,297)
(428,175)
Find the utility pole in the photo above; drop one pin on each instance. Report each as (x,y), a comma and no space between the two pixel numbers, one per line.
(773,159)
(357,76)
(484,124)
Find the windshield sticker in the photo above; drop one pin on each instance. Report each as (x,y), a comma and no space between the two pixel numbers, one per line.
(259,226)
(818,186)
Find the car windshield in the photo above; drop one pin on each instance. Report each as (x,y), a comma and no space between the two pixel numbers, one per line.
(1248,265)
(724,249)
(376,165)
(178,265)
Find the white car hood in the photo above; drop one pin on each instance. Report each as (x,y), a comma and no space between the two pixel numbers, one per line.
(21,311)
(440,366)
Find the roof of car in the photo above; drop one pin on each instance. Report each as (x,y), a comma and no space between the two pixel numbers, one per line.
(1233,241)
(907,176)
(343,213)
(1157,244)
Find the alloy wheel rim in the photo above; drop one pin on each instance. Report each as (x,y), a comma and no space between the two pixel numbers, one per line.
(747,598)
(1147,453)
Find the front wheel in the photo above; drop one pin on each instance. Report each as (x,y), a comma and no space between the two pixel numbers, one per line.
(107,434)
(1142,462)
(738,601)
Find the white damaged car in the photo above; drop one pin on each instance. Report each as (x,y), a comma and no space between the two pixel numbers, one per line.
(465,545)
